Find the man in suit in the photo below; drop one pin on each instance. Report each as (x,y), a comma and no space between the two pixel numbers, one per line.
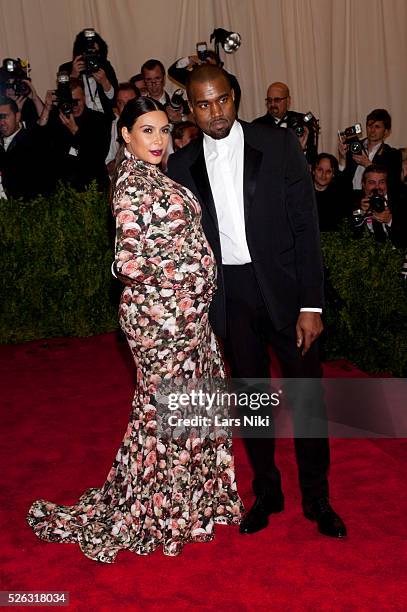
(278,101)
(258,213)
(24,156)
(100,86)
(79,139)
(389,223)
(374,151)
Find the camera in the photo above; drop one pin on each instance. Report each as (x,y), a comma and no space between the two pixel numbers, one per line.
(202,51)
(178,102)
(350,136)
(91,56)
(12,75)
(377,203)
(63,93)
(299,122)
(358,217)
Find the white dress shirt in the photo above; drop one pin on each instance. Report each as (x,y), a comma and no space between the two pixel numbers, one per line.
(225,166)
(224,162)
(357,177)
(92,95)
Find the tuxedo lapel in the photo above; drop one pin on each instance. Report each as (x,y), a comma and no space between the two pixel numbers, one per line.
(201,180)
(251,164)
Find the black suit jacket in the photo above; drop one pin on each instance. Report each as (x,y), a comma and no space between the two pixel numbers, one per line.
(280,218)
(91,143)
(25,165)
(386,156)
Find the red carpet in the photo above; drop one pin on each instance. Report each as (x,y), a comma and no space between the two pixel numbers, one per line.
(64,411)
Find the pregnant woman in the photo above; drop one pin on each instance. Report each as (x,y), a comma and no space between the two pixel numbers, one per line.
(161,490)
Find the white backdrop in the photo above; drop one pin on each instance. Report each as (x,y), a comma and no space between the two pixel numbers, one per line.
(340,58)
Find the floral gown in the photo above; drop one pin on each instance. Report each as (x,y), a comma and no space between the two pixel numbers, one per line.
(159,492)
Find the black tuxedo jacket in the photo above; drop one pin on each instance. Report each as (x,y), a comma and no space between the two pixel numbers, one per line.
(91,143)
(386,156)
(280,218)
(25,165)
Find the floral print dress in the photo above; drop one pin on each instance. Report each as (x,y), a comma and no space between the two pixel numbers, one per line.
(160,491)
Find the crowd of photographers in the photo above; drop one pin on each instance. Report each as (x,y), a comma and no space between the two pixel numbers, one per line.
(72,137)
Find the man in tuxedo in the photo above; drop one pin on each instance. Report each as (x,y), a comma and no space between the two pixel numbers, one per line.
(278,101)
(259,216)
(374,151)
(391,222)
(24,157)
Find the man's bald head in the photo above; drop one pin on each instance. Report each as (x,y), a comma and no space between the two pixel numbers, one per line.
(204,73)
(278,99)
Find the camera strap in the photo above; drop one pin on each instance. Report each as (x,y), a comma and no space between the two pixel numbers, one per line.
(90,89)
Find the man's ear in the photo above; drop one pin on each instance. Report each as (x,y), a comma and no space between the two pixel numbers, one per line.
(232,91)
(386,133)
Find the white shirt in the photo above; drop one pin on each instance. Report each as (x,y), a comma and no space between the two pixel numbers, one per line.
(92,95)
(7,139)
(224,164)
(114,145)
(357,177)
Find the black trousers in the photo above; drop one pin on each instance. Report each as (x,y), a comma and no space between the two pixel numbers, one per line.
(249,334)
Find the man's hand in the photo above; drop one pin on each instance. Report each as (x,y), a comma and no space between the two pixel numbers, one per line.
(303,139)
(365,204)
(175,116)
(309,327)
(342,150)
(78,66)
(100,77)
(362,160)
(69,122)
(383,217)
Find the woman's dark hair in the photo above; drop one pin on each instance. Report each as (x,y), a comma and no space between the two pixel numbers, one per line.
(332,160)
(80,45)
(133,109)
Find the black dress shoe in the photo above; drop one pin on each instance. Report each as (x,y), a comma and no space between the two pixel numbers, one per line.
(257,517)
(329,523)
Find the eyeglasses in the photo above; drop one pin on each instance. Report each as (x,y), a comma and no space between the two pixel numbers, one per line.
(156,80)
(275,100)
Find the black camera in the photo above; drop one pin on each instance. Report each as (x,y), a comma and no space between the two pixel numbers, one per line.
(178,102)
(350,136)
(377,203)
(12,76)
(202,51)
(355,146)
(298,123)
(91,56)
(65,102)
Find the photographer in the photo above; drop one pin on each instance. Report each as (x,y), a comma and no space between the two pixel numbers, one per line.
(90,64)
(373,151)
(178,71)
(80,139)
(126,91)
(278,102)
(16,85)
(333,195)
(382,213)
(23,155)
